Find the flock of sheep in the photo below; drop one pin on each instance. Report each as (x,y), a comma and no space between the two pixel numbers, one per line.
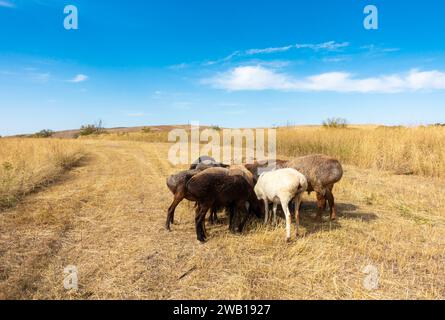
(245,190)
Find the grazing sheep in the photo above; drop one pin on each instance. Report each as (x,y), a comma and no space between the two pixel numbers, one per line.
(322,172)
(255,167)
(219,188)
(204,162)
(176,184)
(281,187)
(241,170)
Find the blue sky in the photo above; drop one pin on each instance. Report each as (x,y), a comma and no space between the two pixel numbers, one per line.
(232,63)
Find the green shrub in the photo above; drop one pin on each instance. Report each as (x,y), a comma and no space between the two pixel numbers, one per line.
(90,129)
(335,123)
(46,133)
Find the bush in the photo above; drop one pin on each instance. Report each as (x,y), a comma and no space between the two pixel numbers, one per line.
(335,123)
(46,133)
(90,129)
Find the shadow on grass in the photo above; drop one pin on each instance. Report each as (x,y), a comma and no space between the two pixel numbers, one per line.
(308,212)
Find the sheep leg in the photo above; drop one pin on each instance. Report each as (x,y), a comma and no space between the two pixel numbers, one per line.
(266,211)
(171,210)
(275,206)
(297,203)
(211,221)
(333,211)
(232,212)
(320,203)
(200,223)
(244,218)
(285,205)
(213,217)
(323,203)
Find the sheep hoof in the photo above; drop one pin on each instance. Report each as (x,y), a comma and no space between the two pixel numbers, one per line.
(288,240)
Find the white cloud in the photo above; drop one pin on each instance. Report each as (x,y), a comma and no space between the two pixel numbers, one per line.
(228,58)
(374,49)
(6,4)
(328,46)
(268,50)
(79,78)
(260,78)
(251,78)
(335,59)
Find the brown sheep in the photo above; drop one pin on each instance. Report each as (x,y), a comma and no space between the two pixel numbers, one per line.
(322,172)
(255,167)
(219,188)
(176,184)
(238,169)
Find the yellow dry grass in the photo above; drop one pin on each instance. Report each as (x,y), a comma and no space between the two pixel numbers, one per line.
(151,136)
(107,218)
(401,150)
(26,164)
(418,150)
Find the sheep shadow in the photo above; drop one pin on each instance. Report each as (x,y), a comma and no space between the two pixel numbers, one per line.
(308,212)
(344,210)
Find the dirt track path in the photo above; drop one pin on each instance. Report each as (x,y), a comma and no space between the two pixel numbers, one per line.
(106,217)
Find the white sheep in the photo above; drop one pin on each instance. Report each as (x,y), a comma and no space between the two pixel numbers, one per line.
(280,187)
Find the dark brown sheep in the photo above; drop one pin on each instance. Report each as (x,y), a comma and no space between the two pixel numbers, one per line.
(176,184)
(217,188)
(322,172)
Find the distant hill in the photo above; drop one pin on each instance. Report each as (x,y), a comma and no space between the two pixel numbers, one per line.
(70,134)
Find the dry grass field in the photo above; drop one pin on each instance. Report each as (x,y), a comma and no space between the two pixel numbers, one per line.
(418,150)
(106,216)
(27,164)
